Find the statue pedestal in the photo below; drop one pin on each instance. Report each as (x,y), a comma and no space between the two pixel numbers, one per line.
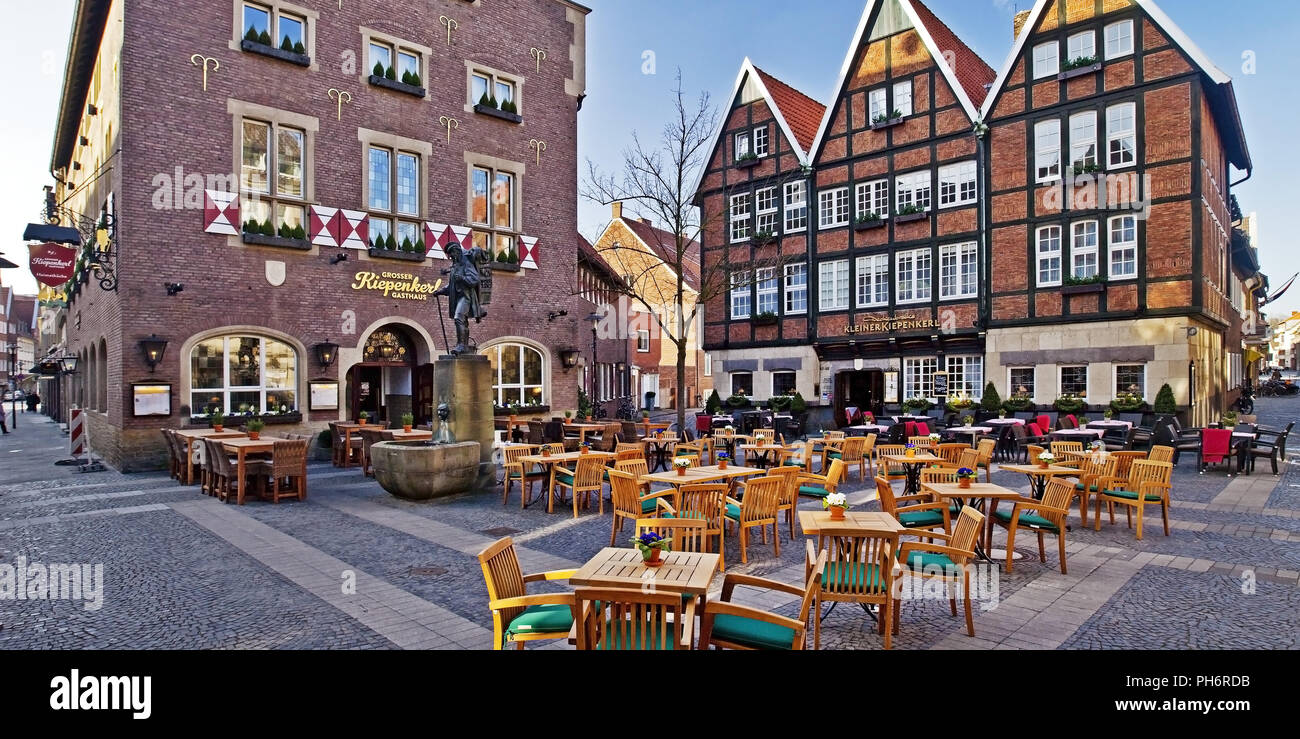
(465,384)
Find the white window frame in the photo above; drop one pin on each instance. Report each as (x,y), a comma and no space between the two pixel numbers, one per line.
(1085,230)
(1060,378)
(1121,245)
(793,291)
(918,276)
(873,197)
(1045,64)
(767,288)
(1116,38)
(914,188)
(966,375)
(796,206)
(741,228)
(767,204)
(963,282)
(1114,134)
(918,377)
(833,207)
(761,147)
(1085,50)
(1083,136)
(1114,379)
(957,184)
(1033,382)
(742,146)
(904,87)
(1053,233)
(873,280)
(833,280)
(1047,144)
(877,104)
(742,299)
(708,364)
(643,338)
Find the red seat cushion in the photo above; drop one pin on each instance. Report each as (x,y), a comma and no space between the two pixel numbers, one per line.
(1215,445)
(1044,423)
(1034,430)
(1074,422)
(922,429)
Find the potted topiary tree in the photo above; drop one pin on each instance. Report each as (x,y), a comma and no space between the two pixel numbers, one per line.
(714,403)
(408,420)
(991,402)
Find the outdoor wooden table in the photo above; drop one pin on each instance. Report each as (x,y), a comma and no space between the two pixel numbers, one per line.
(819,523)
(974,432)
(696,475)
(912,466)
(241,448)
(683,573)
(346,428)
(582,429)
(658,448)
(1085,455)
(649,428)
(1039,476)
(412,435)
(766,449)
(192,435)
(551,461)
(974,496)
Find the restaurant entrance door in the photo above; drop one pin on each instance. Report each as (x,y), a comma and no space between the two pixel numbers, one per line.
(387,384)
(863,390)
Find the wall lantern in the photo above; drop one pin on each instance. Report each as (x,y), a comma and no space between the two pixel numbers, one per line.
(327,352)
(569,357)
(69,364)
(153,348)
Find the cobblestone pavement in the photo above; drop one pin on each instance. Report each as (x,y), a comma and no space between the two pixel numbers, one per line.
(181,570)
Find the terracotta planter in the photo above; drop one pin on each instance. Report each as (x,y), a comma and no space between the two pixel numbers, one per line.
(964,483)
(681,472)
(837,513)
(722,464)
(255,435)
(361,421)
(407,428)
(1044,465)
(583,450)
(546,452)
(568,422)
(218,428)
(655,559)
(911,452)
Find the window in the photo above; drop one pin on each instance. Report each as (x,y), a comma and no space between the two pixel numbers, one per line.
(1121,134)
(1046,63)
(834,284)
(1020,381)
(517,374)
(1119,39)
(783,383)
(873,197)
(1074,381)
(796,288)
(966,376)
(739,218)
(903,98)
(957,184)
(708,365)
(269,148)
(958,271)
(918,377)
(1123,247)
(913,276)
(833,208)
(287,33)
(495,86)
(873,280)
(1081,46)
(643,340)
(768,210)
(796,206)
(1083,141)
(768,290)
(1131,378)
(742,383)
(760,141)
(879,105)
(913,191)
(742,145)
(238,374)
(1083,250)
(495,214)
(741,300)
(1047,150)
(407,67)
(1049,256)
(394,180)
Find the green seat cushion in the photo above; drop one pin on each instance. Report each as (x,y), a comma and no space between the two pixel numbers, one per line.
(536,471)
(815,492)
(564,476)
(733,511)
(921,518)
(546,619)
(842,575)
(634,634)
(1032,520)
(1091,488)
(649,506)
(1129,495)
(752,633)
(922,561)
(835,455)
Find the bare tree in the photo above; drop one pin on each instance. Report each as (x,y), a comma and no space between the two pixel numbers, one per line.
(656,182)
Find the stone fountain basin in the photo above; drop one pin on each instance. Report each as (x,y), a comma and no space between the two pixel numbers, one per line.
(419,471)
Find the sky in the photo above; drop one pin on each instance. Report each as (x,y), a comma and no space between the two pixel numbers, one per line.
(635,47)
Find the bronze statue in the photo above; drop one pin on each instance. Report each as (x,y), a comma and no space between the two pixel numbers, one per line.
(463,293)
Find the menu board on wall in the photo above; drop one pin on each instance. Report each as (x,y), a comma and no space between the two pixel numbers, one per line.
(324,396)
(152,400)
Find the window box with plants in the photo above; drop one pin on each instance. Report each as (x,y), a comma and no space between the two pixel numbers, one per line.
(521,410)
(260,43)
(506,110)
(1070,404)
(868,222)
(1128,402)
(745,161)
(766,318)
(231,420)
(386,77)
(893,118)
(1078,67)
(265,234)
(762,238)
(506,261)
(1083,285)
(390,249)
(1083,170)
(909,213)
(737,400)
(916,405)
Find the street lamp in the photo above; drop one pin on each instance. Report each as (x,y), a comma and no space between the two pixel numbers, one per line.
(13,384)
(594,318)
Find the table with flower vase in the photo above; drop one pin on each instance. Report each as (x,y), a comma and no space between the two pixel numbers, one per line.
(192,435)
(766,451)
(855,523)
(657,447)
(1077,434)
(242,448)
(974,496)
(700,475)
(868,428)
(346,428)
(1038,476)
(974,432)
(1110,424)
(1003,422)
(912,466)
(682,573)
(582,430)
(551,461)
(412,435)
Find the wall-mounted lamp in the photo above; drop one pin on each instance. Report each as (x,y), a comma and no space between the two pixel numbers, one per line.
(1192,331)
(326,352)
(153,348)
(569,358)
(551,316)
(340,257)
(173,287)
(69,364)
(621,366)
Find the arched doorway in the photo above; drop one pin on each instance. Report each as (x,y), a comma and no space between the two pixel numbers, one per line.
(388,381)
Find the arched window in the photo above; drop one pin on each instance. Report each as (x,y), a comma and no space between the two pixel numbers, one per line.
(243,374)
(101,377)
(516,374)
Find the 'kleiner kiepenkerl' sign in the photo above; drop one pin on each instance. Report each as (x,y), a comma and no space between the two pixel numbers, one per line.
(51,264)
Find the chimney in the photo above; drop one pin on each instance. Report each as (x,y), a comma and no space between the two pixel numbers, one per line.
(646,221)
(617,208)
(1019,23)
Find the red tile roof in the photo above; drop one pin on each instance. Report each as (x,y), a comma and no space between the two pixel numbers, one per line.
(664,245)
(971,71)
(800,111)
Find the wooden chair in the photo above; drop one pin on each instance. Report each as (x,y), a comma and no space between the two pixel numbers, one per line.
(552,448)
(515,473)
(1161,454)
(799,454)
(941,476)
(851,453)
(833,435)
(516,616)
(704,502)
(946,562)
(919,512)
(370,435)
(920,442)
(1147,484)
(225,471)
(789,500)
(689,449)
(762,496)
(173,458)
(629,446)
(588,478)
(344,456)
(886,469)
(1046,516)
(860,568)
(687,534)
(619,619)
(819,486)
(986,449)
(1124,462)
(727,625)
(1091,474)
(951,453)
(629,502)
(1059,448)
(287,465)
(1032,451)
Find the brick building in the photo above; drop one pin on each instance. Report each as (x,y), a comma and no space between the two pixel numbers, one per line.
(271,174)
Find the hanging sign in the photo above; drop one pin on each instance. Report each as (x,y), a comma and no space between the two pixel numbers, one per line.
(51,264)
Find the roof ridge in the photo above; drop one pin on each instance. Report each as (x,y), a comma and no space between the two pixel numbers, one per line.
(976,89)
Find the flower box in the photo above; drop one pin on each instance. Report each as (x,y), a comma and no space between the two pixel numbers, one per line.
(398,254)
(878,126)
(910,217)
(527,409)
(1079,72)
(761,240)
(233,421)
(292,57)
(1091,287)
(505,267)
(277,241)
(488,110)
(765,320)
(397,86)
(869,225)
(747,163)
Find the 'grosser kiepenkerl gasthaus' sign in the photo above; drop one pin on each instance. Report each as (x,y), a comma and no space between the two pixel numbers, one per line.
(399,285)
(890,325)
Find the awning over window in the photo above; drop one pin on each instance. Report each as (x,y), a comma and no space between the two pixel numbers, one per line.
(56,234)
